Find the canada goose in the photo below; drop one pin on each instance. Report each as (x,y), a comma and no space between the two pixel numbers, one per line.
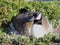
(41,26)
(31,24)
(22,22)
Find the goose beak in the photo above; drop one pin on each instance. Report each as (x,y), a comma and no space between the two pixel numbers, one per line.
(32,19)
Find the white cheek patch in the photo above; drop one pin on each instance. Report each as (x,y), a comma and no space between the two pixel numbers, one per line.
(38,17)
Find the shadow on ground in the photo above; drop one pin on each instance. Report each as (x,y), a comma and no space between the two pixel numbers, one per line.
(5,26)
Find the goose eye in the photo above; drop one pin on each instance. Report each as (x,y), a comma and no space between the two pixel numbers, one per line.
(35,15)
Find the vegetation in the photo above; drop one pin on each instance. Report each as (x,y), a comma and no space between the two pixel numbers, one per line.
(20,40)
(9,8)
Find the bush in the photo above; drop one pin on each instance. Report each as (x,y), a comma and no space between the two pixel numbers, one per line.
(9,8)
(46,40)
